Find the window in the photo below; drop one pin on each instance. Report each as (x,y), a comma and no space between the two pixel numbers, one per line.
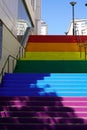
(24,20)
(22,13)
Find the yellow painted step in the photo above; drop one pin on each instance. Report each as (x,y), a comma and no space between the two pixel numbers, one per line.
(53,56)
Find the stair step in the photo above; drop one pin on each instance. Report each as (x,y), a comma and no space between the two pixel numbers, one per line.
(36,120)
(51,113)
(25,75)
(76,109)
(37,98)
(61,126)
(55,82)
(73,54)
(55,39)
(39,93)
(50,66)
(83,104)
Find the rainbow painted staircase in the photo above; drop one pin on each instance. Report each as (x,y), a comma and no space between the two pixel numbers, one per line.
(48,89)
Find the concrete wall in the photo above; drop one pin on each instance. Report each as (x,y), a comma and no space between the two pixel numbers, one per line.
(8,13)
(10,46)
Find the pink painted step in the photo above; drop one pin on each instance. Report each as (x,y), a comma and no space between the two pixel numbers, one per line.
(78,104)
(74,98)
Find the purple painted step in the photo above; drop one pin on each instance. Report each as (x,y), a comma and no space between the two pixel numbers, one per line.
(42,127)
(55,107)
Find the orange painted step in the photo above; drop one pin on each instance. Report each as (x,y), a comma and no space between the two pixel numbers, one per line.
(52,47)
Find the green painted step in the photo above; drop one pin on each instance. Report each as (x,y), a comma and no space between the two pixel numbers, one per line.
(50,66)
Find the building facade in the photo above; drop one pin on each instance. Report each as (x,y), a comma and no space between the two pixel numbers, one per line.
(44,28)
(80,27)
(22,25)
(12,11)
(37,10)
(16,16)
(36,6)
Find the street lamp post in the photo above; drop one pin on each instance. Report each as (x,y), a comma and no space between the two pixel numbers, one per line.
(73,4)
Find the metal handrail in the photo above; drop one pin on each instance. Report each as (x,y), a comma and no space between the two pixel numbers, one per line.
(26,36)
(18,55)
(7,62)
(84,45)
(85,49)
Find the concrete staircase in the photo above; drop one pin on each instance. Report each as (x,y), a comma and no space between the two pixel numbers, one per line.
(47,90)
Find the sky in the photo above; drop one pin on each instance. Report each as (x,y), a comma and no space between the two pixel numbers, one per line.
(58,14)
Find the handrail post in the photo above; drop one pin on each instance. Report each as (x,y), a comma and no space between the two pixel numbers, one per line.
(13,65)
(8,64)
(2,72)
(85,52)
(19,52)
(22,52)
(1,75)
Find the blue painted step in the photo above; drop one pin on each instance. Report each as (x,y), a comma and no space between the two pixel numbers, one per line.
(21,79)
(25,75)
(44,84)
(74,84)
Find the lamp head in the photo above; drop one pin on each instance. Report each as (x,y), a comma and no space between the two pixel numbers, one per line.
(72,3)
(85,4)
